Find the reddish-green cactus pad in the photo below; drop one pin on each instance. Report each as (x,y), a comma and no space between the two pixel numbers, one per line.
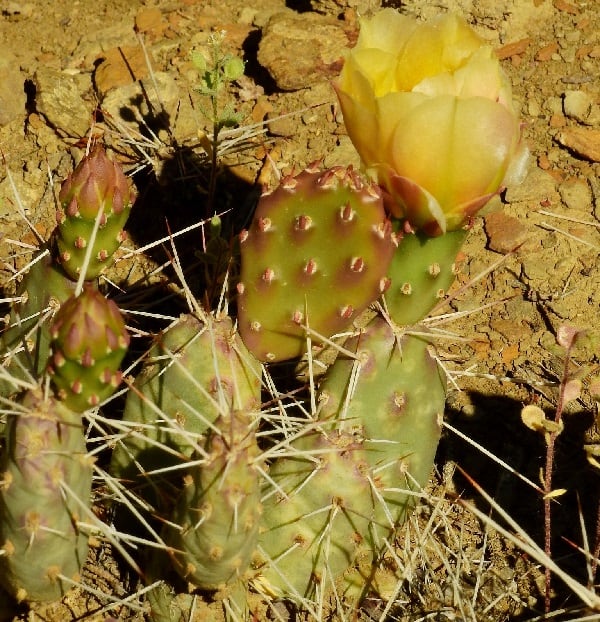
(89,341)
(316,255)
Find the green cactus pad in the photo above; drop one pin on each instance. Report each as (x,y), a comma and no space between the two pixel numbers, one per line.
(26,342)
(421,271)
(318,516)
(89,341)
(195,371)
(218,512)
(392,396)
(97,188)
(46,481)
(316,254)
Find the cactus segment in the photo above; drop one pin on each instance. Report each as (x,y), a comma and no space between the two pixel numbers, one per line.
(316,255)
(420,273)
(26,342)
(89,341)
(46,481)
(195,372)
(218,512)
(97,189)
(393,397)
(315,521)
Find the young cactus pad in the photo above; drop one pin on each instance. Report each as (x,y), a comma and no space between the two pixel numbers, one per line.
(89,341)
(214,527)
(46,486)
(196,371)
(317,515)
(392,395)
(95,203)
(316,255)
(421,271)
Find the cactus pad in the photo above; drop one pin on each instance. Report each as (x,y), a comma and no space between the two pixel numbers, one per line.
(316,254)
(393,397)
(26,342)
(195,372)
(218,512)
(46,481)
(316,519)
(421,271)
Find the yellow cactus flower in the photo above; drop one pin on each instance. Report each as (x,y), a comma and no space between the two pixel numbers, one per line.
(430,112)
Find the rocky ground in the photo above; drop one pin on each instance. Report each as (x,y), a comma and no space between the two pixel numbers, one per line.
(123,68)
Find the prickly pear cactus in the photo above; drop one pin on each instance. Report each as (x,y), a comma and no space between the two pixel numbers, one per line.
(25,343)
(89,341)
(392,396)
(421,271)
(316,255)
(214,527)
(95,203)
(46,488)
(317,509)
(196,371)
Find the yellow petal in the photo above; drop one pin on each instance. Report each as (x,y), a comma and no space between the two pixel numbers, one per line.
(457,149)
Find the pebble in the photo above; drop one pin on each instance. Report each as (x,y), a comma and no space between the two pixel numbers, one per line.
(59,99)
(538,185)
(584,141)
(121,65)
(576,194)
(577,105)
(299,50)
(504,232)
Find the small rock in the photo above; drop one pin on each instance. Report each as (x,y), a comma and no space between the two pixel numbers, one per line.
(584,141)
(12,89)
(18,10)
(576,195)
(299,50)
(344,153)
(150,22)
(59,98)
(577,105)
(336,7)
(121,65)
(538,185)
(128,103)
(504,232)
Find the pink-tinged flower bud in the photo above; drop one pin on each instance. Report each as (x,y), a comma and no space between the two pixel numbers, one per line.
(97,183)
(430,112)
